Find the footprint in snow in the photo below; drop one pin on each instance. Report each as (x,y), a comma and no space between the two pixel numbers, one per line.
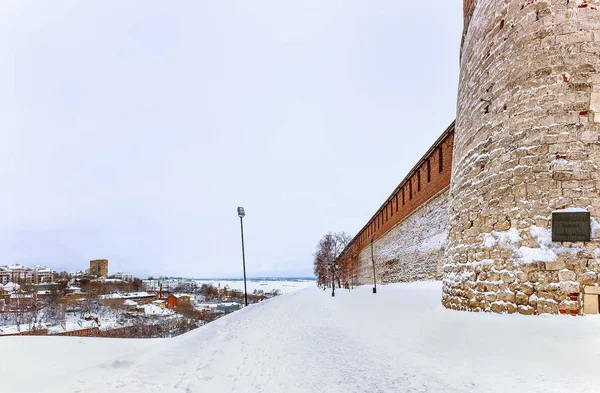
(121,364)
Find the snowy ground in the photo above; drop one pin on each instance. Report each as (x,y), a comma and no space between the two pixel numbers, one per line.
(400,340)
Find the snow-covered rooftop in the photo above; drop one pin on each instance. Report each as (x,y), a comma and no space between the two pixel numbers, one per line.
(132,295)
(179,295)
(11,286)
(152,309)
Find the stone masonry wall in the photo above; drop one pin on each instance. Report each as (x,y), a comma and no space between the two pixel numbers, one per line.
(413,249)
(526,143)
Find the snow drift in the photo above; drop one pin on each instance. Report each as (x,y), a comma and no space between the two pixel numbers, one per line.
(398,340)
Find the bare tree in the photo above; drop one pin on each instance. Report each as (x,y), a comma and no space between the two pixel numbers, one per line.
(326,257)
(209,291)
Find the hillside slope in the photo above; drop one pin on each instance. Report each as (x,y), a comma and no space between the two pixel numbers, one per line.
(399,340)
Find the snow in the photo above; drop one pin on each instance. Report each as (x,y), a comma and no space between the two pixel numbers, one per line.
(11,287)
(205,306)
(180,295)
(435,242)
(152,309)
(399,340)
(74,353)
(508,237)
(571,210)
(595,227)
(546,252)
(285,286)
(536,254)
(132,295)
(489,241)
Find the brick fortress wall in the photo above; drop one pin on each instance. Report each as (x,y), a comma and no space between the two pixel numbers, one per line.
(409,229)
(413,249)
(527,143)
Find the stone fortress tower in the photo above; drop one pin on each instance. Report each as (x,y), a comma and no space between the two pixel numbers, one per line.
(526,145)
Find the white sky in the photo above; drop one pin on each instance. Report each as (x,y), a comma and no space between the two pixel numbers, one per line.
(132,130)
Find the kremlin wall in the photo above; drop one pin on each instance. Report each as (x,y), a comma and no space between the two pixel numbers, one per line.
(505,205)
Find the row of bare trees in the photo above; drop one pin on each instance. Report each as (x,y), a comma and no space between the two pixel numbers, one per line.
(327,267)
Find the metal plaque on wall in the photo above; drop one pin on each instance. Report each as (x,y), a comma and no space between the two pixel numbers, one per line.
(571,227)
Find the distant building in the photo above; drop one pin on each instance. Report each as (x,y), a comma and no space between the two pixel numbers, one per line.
(124,276)
(150,285)
(99,267)
(22,302)
(26,275)
(43,274)
(5,275)
(174,301)
(20,274)
(169,285)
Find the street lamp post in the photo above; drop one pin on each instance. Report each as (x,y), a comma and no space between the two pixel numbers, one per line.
(373,260)
(332,279)
(241,215)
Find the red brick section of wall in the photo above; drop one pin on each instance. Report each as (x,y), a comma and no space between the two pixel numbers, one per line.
(425,180)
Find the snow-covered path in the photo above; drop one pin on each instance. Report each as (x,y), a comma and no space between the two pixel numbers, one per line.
(400,340)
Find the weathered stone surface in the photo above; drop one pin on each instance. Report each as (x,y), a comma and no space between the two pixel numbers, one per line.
(412,250)
(521,298)
(547,307)
(592,290)
(566,275)
(568,305)
(559,264)
(526,310)
(498,307)
(590,304)
(567,287)
(529,102)
(588,278)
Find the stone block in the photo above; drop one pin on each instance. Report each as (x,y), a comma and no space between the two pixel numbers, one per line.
(498,307)
(590,304)
(506,296)
(521,298)
(511,308)
(547,308)
(595,102)
(591,290)
(588,278)
(559,264)
(589,137)
(525,310)
(577,265)
(569,287)
(526,288)
(566,275)
(569,305)
(508,277)
(490,296)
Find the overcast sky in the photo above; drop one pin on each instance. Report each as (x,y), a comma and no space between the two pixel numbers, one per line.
(132,130)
